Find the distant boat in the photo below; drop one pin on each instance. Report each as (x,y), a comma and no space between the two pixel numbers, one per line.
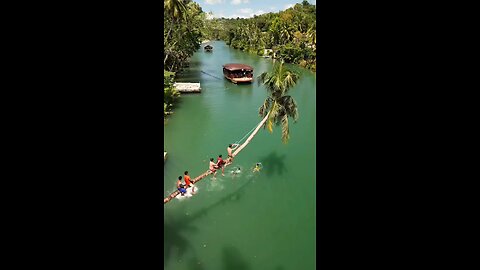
(238,73)
(208,48)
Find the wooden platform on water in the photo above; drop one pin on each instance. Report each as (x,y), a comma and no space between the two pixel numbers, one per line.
(188,87)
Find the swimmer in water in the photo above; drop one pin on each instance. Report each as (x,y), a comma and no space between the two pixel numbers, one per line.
(257,168)
(236,171)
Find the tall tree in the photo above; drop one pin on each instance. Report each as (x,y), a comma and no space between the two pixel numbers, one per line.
(175,10)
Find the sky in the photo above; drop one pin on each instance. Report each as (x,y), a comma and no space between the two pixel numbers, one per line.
(245,8)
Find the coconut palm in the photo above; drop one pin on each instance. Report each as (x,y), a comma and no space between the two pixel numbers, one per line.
(278,106)
(175,10)
(312,37)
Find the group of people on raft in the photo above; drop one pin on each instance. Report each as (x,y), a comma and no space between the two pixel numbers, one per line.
(220,164)
(183,188)
(213,167)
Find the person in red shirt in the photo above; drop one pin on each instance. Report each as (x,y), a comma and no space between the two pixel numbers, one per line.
(221,163)
(186,177)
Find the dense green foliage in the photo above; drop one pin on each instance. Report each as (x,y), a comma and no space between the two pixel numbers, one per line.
(291,34)
(278,105)
(170,93)
(184,23)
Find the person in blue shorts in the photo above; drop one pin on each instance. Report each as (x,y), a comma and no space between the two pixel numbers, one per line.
(181,187)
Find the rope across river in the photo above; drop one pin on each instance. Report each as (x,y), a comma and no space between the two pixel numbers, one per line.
(211,75)
(237,142)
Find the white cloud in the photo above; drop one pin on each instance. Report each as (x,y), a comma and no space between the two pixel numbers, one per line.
(247,13)
(219,15)
(213,2)
(238,2)
(288,6)
(233,16)
(246,10)
(243,13)
(260,12)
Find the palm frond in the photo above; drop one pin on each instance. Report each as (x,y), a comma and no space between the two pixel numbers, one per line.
(269,125)
(262,78)
(290,106)
(290,80)
(263,110)
(272,116)
(285,129)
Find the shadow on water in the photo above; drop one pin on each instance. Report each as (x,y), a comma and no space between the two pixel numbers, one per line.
(195,264)
(175,228)
(173,238)
(273,164)
(232,260)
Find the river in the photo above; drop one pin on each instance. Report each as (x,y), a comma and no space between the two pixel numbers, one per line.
(252,221)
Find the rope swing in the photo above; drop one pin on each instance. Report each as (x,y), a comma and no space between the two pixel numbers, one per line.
(238,142)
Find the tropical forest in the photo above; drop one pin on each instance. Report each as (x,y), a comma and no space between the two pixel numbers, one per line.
(288,35)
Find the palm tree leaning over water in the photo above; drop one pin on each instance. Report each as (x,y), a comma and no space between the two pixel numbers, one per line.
(278,106)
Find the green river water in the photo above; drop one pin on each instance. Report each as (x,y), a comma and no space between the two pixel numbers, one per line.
(252,221)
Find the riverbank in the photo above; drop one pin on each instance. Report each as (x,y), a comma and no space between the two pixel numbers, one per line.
(311,66)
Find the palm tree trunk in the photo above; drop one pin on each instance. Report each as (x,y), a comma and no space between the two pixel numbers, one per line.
(169,30)
(250,137)
(165,60)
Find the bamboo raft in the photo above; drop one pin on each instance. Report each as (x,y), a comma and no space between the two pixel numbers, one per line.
(208,172)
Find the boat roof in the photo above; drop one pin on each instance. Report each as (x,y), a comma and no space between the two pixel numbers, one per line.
(208,46)
(237,67)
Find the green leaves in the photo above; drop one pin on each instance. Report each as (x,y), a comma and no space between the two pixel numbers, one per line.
(285,129)
(185,23)
(170,92)
(175,9)
(291,33)
(280,106)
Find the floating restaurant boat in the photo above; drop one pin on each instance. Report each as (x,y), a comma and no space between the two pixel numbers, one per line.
(238,73)
(208,48)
